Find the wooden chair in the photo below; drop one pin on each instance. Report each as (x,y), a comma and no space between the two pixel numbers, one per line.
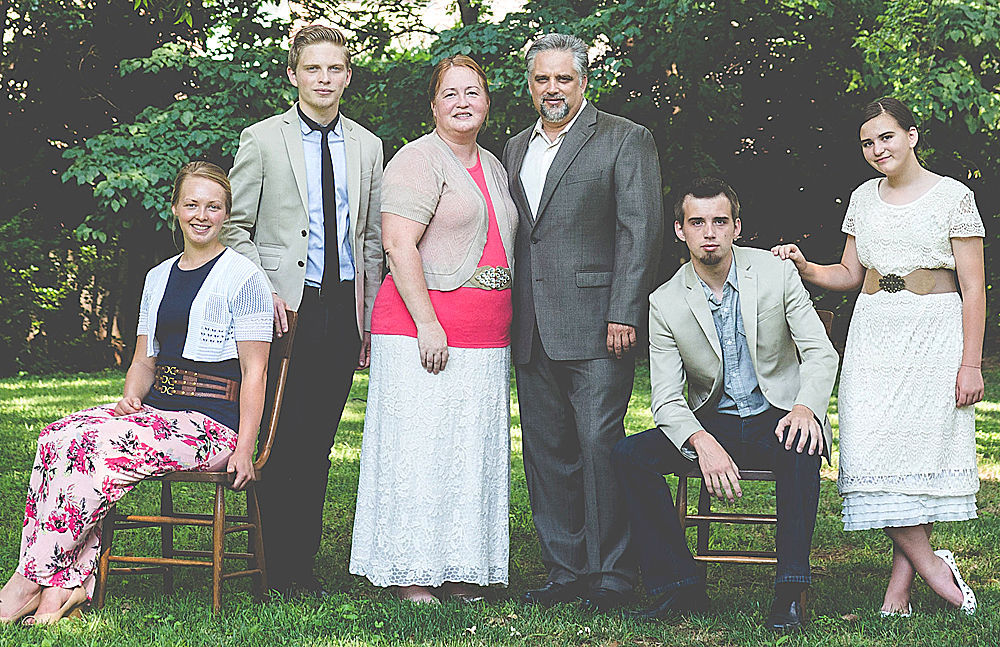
(220,523)
(704,517)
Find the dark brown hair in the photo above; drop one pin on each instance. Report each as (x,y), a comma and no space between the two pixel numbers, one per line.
(205,170)
(312,34)
(892,107)
(456,60)
(707,187)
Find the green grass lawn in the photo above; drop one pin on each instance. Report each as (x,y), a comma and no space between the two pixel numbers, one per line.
(850,569)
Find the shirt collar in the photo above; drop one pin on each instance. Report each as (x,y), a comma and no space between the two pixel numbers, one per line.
(338,129)
(538,131)
(730,281)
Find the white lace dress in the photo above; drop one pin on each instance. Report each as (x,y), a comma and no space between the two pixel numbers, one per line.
(907,453)
(435,468)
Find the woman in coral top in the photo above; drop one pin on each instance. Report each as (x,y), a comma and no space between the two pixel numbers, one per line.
(435,459)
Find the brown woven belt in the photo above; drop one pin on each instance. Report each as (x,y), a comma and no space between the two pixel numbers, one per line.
(922,281)
(170,380)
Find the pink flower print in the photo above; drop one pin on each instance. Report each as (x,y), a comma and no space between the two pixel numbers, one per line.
(74,517)
(56,426)
(80,454)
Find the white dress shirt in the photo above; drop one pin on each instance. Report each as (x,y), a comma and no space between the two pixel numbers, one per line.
(538,158)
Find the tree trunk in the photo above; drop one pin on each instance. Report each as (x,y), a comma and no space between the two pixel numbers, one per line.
(469,11)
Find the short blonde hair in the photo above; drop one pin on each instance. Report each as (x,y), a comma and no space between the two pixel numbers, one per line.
(312,34)
(205,170)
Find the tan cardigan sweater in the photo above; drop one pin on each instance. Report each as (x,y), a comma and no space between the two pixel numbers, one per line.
(427,183)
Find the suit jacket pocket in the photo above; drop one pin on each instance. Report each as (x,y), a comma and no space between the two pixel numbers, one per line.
(269,262)
(770,312)
(593,279)
(588,177)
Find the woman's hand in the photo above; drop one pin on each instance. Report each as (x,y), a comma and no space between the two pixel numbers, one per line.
(241,464)
(433,344)
(969,387)
(128,405)
(791,251)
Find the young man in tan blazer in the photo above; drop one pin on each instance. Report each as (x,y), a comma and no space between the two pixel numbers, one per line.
(737,327)
(300,180)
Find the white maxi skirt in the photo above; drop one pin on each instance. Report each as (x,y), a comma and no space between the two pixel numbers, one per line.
(433,494)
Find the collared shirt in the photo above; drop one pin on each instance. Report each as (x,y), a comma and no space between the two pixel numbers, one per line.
(538,158)
(311,146)
(741,395)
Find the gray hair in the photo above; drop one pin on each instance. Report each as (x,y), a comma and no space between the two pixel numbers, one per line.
(563,42)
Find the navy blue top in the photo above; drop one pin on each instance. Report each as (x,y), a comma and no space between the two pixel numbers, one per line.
(171,332)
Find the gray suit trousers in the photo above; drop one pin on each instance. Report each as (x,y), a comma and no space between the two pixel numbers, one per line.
(572,415)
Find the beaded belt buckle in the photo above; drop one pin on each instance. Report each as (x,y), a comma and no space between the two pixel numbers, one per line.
(892,283)
(492,278)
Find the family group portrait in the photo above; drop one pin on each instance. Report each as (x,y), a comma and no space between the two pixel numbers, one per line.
(455,322)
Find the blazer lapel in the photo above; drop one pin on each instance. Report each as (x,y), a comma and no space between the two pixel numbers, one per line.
(519,150)
(577,136)
(699,308)
(747,280)
(352,146)
(291,132)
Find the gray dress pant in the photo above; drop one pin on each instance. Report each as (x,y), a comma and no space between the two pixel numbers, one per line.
(572,415)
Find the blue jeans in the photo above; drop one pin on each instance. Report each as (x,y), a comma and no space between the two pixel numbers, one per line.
(641,460)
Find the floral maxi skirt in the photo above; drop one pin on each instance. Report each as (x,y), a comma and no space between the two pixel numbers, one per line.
(85,463)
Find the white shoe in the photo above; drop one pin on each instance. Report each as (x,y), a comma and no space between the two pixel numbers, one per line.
(897,614)
(968,597)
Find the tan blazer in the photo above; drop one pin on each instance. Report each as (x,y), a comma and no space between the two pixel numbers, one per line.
(269,223)
(792,355)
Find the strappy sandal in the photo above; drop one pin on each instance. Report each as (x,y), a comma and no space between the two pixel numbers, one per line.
(71,608)
(29,607)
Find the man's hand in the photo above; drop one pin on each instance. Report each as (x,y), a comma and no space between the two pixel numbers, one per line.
(280,318)
(365,357)
(718,471)
(800,420)
(621,339)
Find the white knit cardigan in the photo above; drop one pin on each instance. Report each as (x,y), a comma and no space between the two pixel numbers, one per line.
(233,304)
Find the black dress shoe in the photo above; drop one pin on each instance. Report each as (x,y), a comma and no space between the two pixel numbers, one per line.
(680,601)
(785,616)
(309,586)
(602,600)
(553,593)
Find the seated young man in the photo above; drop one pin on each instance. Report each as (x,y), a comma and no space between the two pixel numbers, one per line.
(738,328)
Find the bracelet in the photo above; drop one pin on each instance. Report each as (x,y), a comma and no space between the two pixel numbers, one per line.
(972,365)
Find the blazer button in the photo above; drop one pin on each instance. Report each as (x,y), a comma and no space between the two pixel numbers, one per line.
(534,241)
(304,233)
(302,263)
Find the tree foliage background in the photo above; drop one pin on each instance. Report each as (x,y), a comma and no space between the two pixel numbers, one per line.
(105,99)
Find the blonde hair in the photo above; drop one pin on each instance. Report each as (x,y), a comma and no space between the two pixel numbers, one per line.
(205,170)
(312,34)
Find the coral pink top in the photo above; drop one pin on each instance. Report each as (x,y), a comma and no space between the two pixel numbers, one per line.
(472,318)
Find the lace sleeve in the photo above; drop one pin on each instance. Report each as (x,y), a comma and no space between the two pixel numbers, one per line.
(852,208)
(411,185)
(144,307)
(253,310)
(964,220)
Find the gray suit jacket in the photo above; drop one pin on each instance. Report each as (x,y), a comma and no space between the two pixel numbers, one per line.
(269,223)
(791,353)
(589,256)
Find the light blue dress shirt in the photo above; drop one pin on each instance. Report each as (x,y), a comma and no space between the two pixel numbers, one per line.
(741,395)
(311,146)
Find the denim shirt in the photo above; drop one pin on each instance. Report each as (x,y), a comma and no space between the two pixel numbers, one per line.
(741,394)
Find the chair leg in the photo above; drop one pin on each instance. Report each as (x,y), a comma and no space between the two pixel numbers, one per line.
(218,539)
(681,502)
(255,542)
(704,507)
(167,535)
(103,563)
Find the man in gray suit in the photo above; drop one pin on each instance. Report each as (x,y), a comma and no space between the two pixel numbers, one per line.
(738,329)
(307,209)
(587,188)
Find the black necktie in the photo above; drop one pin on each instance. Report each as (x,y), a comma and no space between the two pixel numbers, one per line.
(331,242)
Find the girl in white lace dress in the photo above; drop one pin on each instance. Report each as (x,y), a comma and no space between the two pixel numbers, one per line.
(911,368)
